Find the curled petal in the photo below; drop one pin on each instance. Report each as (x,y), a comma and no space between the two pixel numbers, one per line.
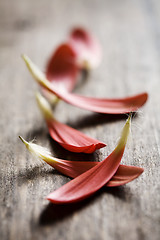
(72,139)
(69,138)
(124,174)
(92,180)
(81,51)
(107,106)
(62,70)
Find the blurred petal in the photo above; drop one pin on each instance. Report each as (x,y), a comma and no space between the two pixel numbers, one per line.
(107,106)
(86,47)
(62,70)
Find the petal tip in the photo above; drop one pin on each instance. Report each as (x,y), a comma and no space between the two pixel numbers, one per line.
(23,140)
(25,58)
(141,170)
(44,106)
(145,96)
(49,198)
(100,145)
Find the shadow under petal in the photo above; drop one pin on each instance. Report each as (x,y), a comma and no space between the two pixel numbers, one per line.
(32,173)
(37,132)
(94,119)
(83,77)
(57,212)
(120,192)
(62,153)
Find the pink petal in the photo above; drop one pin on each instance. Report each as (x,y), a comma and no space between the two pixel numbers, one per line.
(86,47)
(62,69)
(72,139)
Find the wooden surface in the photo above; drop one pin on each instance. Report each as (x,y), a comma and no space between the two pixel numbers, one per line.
(129,32)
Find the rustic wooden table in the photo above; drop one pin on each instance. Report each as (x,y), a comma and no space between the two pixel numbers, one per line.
(129,32)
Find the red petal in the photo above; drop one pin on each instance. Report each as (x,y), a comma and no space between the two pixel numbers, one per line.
(72,169)
(89,182)
(62,70)
(72,139)
(85,46)
(111,106)
(108,106)
(65,63)
(124,175)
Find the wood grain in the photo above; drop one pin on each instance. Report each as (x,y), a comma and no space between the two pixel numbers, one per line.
(129,32)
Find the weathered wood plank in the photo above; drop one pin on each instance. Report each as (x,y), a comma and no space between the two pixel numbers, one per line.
(129,34)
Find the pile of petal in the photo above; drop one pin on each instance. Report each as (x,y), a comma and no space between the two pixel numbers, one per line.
(89,176)
(92,180)
(80,51)
(124,174)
